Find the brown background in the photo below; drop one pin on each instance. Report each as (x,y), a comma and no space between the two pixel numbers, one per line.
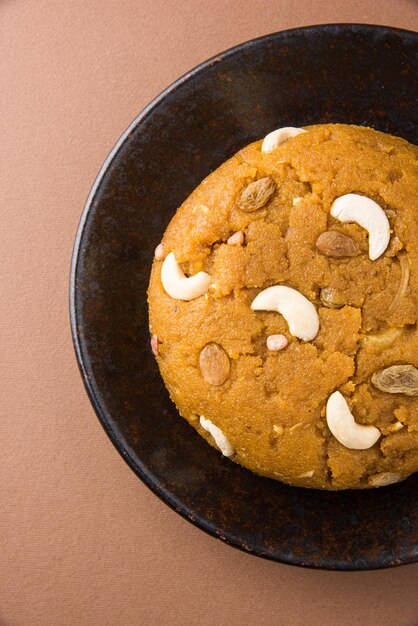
(82,541)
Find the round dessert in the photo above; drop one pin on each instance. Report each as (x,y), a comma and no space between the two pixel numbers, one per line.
(283,307)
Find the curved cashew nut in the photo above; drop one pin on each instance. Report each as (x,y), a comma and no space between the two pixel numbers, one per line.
(345,429)
(298,311)
(366,213)
(220,439)
(279,136)
(177,285)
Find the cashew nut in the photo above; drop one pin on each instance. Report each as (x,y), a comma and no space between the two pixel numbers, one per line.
(298,311)
(366,213)
(220,439)
(279,136)
(177,285)
(344,428)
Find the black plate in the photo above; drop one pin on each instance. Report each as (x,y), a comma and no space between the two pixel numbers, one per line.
(347,73)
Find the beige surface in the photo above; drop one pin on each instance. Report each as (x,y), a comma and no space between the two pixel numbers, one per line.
(82,541)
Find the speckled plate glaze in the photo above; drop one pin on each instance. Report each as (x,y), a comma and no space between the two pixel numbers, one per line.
(355,74)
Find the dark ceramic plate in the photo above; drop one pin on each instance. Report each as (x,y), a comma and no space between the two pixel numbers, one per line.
(348,73)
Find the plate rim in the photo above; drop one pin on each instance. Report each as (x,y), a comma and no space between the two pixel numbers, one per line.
(124,449)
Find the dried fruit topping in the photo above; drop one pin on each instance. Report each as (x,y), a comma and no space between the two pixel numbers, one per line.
(383,339)
(383,479)
(331,298)
(214,364)
(257,194)
(397,379)
(336,245)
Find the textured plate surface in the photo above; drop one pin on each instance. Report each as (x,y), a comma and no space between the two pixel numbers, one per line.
(348,73)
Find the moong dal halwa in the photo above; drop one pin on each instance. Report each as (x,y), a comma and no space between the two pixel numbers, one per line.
(283,307)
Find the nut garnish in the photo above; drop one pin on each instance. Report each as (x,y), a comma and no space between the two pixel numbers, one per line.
(276,342)
(345,429)
(336,245)
(257,194)
(403,284)
(397,379)
(383,479)
(278,429)
(384,339)
(307,474)
(395,245)
(274,139)
(214,364)
(366,213)
(220,439)
(154,345)
(295,426)
(237,239)
(331,298)
(159,252)
(177,285)
(298,311)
